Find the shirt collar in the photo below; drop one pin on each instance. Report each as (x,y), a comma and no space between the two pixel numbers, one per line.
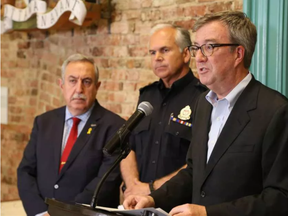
(232,97)
(83,116)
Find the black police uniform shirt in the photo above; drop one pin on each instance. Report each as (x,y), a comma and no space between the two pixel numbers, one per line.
(161,140)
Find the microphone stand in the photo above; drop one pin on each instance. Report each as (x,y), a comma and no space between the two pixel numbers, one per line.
(125,149)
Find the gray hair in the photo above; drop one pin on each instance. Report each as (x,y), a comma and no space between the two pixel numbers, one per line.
(182,36)
(242,31)
(76,58)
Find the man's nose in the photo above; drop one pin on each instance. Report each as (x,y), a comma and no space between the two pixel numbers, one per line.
(158,56)
(199,56)
(79,86)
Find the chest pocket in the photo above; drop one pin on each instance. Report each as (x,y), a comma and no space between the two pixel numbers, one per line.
(177,139)
(140,136)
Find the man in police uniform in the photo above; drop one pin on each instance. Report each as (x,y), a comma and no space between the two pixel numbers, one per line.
(160,142)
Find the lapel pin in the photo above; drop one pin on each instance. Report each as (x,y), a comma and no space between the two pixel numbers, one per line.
(89,130)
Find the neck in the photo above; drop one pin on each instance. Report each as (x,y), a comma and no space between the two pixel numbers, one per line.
(169,81)
(225,88)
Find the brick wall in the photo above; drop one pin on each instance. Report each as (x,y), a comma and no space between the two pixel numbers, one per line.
(31,66)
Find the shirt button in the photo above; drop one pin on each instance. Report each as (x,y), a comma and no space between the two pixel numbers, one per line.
(160,123)
(164,104)
(177,133)
(153,162)
(156,142)
(203,194)
(56,186)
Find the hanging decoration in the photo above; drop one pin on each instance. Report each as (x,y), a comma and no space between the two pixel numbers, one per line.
(36,15)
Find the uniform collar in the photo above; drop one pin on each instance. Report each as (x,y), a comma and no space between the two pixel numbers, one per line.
(178,84)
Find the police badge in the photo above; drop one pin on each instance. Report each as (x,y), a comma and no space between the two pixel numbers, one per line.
(185,113)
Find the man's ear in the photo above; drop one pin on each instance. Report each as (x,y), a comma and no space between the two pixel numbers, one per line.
(60,81)
(98,84)
(186,55)
(240,51)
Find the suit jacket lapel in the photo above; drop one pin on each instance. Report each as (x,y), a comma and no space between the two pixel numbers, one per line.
(235,123)
(57,138)
(87,132)
(200,145)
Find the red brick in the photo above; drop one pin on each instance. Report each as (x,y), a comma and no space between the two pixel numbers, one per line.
(32,101)
(141,84)
(119,74)
(132,75)
(40,35)
(151,15)
(12,99)
(192,11)
(56,102)
(37,44)
(142,27)
(101,62)
(132,97)
(138,51)
(146,3)
(120,28)
(135,4)
(147,75)
(157,3)
(115,63)
(238,5)
(97,51)
(15,110)
(128,109)
(116,108)
(129,87)
(131,14)
(30,111)
(170,12)
(104,74)
(102,26)
(102,95)
(45,97)
(112,85)
(23,45)
(119,51)
(221,6)
(129,39)
(187,24)
(206,1)
(117,96)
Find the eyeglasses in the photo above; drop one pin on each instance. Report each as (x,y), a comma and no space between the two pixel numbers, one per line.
(206,49)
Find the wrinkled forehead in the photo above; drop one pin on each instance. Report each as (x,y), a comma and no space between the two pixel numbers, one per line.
(212,32)
(162,38)
(80,69)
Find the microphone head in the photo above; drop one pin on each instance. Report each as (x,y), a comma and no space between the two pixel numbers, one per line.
(145,107)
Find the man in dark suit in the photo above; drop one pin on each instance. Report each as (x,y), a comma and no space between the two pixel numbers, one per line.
(53,166)
(237,161)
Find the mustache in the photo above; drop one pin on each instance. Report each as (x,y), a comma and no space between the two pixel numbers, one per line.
(79,96)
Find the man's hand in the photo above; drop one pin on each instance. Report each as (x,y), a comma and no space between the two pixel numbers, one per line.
(138,188)
(46,214)
(138,202)
(189,210)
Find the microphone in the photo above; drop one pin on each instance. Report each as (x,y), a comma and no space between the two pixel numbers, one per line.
(143,109)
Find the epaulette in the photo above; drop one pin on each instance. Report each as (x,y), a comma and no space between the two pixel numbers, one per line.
(201,86)
(148,86)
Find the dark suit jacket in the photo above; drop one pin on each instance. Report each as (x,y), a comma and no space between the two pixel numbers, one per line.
(38,175)
(247,173)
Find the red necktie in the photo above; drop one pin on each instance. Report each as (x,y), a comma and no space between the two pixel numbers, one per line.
(70,142)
